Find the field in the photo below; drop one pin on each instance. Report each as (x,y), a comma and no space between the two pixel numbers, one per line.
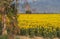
(40,19)
(46,25)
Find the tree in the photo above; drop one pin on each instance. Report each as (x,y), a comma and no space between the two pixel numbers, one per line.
(3,10)
(27,7)
(10,11)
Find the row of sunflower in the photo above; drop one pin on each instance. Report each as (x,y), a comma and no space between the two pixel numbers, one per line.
(36,29)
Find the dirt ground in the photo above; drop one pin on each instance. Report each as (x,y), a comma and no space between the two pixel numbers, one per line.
(27,37)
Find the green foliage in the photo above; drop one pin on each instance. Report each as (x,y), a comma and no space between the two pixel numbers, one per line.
(28,12)
(31,32)
(49,31)
(17,38)
(4,37)
(23,32)
(0,27)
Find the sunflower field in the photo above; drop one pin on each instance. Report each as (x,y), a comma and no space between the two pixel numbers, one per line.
(46,25)
(43,25)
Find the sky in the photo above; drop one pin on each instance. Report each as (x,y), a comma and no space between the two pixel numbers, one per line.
(40,6)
